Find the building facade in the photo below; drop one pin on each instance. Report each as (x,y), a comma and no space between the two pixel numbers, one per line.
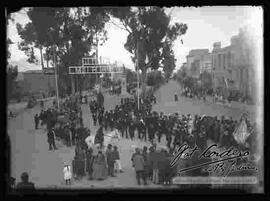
(233,66)
(195,63)
(206,63)
(35,81)
(222,68)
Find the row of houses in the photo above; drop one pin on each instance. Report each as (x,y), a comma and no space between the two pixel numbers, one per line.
(232,68)
(35,82)
(38,82)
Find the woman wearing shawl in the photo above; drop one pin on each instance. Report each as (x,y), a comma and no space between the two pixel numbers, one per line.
(100,167)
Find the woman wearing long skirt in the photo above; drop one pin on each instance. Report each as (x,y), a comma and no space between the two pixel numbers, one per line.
(100,167)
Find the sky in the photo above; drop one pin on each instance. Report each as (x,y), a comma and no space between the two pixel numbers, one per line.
(206,25)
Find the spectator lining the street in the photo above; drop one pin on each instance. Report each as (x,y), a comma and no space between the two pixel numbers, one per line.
(67,173)
(100,170)
(138,164)
(25,184)
(116,157)
(110,161)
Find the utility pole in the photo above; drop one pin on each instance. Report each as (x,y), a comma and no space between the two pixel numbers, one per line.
(97,57)
(55,65)
(56,77)
(137,66)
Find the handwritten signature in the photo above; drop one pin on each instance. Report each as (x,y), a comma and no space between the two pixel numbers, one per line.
(225,168)
(219,159)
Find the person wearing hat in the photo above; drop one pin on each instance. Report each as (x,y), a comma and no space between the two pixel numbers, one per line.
(11,183)
(116,158)
(25,184)
(67,173)
(138,164)
(89,162)
(100,117)
(126,123)
(99,138)
(131,128)
(94,115)
(106,120)
(175,97)
(110,160)
(142,129)
(36,118)
(51,139)
(153,161)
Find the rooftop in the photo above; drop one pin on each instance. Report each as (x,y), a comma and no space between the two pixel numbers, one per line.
(196,52)
(34,71)
(227,48)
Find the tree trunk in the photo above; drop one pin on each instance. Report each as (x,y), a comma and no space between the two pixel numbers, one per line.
(41,56)
(47,57)
(143,82)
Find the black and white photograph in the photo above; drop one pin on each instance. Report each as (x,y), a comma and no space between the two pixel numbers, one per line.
(139,97)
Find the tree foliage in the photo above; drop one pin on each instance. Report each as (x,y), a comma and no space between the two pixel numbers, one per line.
(154,78)
(9,42)
(168,61)
(12,72)
(131,76)
(75,32)
(181,74)
(150,27)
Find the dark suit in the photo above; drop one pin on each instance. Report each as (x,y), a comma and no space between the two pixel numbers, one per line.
(25,186)
(110,162)
(51,140)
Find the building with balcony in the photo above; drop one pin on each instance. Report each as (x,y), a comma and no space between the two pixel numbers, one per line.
(233,66)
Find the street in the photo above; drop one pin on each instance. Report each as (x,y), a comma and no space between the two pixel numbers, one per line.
(30,151)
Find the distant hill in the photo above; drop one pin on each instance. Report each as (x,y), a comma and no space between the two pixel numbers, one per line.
(23,65)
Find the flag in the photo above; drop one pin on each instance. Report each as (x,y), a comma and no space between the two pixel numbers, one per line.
(241,133)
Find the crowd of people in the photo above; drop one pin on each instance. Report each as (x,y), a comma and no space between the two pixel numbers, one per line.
(155,165)
(178,129)
(194,93)
(95,162)
(151,164)
(216,95)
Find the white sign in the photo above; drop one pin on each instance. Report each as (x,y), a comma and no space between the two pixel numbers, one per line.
(95,69)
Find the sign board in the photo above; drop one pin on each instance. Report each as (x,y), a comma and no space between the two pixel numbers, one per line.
(95,69)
